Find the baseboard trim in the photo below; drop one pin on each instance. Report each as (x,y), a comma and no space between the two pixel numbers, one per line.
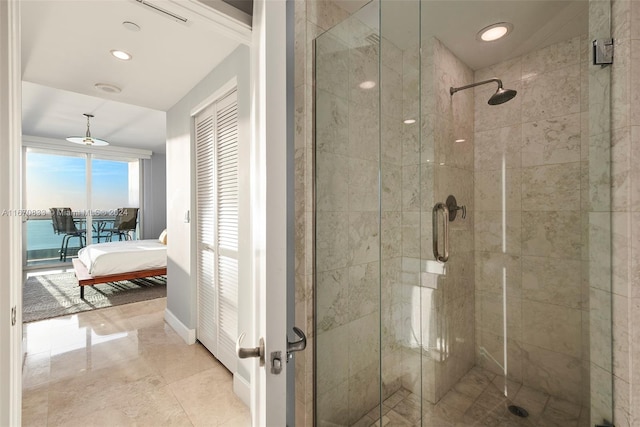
(242,389)
(188,335)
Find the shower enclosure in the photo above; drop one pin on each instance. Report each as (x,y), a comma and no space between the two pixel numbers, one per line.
(462,236)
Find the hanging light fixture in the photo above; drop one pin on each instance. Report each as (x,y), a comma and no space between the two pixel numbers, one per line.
(87,139)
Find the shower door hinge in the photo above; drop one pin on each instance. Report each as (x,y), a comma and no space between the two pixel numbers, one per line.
(13,315)
(603,52)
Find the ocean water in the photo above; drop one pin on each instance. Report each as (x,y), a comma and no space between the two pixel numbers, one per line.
(40,235)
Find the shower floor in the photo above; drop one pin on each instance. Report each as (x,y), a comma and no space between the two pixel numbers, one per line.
(478,400)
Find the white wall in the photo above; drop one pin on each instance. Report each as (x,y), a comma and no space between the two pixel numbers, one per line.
(181,267)
(154,204)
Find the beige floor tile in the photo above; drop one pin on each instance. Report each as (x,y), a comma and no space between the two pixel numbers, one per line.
(123,366)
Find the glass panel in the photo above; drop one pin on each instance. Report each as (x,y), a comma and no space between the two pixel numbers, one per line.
(52,180)
(518,319)
(115,192)
(347,259)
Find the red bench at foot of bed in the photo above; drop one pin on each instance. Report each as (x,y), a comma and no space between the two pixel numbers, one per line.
(84,278)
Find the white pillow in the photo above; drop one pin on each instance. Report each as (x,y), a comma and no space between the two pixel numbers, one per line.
(163,237)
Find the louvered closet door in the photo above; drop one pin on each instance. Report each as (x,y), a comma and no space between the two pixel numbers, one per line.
(217,226)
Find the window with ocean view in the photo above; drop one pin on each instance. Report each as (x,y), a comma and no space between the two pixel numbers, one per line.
(60,180)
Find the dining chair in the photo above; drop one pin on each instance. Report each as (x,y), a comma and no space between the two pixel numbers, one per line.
(63,224)
(126,222)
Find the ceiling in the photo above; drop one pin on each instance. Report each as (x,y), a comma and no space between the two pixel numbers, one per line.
(537,23)
(66,45)
(66,50)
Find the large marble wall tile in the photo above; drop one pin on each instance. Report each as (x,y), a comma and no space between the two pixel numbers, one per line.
(391,235)
(551,188)
(600,327)
(635,159)
(489,117)
(332,131)
(600,250)
(411,234)
(497,189)
(363,237)
(411,146)
(332,240)
(364,392)
(364,290)
(490,236)
(332,176)
(552,281)
(507,71)
(490,355)
(391,187)
(363,67)
(620,85)
(364,342)
(621,169)
(634,267)
(492,313)
(552,57)
(497,147)
(634,108)
(391,56)
(555,140)
(551,94)
(363,185)
(332,296)
(333,406)
(391,92)
(601,394)
(497,272)
(600,172)
(332,359)
(553,327)
(411,188)
(621,241)
(363,131)
(552,234)
(332,66)
(620,337)
(390,141)
(554,373)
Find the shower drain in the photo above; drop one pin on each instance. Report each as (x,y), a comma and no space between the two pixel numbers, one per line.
(517,410)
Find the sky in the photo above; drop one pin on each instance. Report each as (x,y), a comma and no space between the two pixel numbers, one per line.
(60,181)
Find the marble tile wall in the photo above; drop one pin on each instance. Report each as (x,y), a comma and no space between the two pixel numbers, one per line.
(448,170)
(624,215)
(530,161)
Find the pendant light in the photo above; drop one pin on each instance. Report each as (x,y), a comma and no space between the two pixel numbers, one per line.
(87,139)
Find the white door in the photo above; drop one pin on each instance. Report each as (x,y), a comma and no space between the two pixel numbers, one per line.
(269,209)
(217,219)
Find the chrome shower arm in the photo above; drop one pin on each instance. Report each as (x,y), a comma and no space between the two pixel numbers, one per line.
(484,82)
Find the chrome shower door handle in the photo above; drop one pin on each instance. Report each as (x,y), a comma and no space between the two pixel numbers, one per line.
(440,207)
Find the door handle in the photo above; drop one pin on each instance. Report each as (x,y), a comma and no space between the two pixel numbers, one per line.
(440,207)
(298,345)
(245,353)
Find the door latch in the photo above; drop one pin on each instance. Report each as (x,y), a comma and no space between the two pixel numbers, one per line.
(298,345)
(276,362)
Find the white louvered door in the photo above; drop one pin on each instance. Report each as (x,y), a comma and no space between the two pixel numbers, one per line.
(217,227)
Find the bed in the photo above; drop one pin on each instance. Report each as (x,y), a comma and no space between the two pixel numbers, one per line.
(120,260)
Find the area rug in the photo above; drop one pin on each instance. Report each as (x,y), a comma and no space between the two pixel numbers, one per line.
(56,295)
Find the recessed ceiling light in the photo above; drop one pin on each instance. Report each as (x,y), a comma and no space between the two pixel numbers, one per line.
(494,32)
(409,121)
(106,87)
(460,140)
(121,54)
(368,84)
(131,26)
(442,164)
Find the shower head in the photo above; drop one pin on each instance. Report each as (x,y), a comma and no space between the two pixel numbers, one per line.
(501,96)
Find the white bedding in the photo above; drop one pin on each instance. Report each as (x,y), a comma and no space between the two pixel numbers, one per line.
(103,259)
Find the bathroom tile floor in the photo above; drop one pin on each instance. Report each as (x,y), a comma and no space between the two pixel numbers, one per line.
(478,399)
(123,366)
